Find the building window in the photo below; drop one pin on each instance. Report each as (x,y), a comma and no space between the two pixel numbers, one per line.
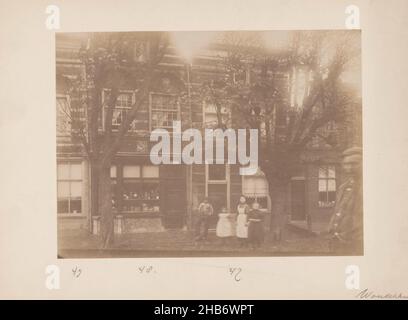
(123,105)
(210,116)
(69,188)
(327,186)
(113,173)
(124,102)
(63,116)
(241,75)
(255,188)
(140,189)
(300,87)
(164,109)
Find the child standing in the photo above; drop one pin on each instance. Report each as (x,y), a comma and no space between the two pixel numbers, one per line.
(255,228)
(205,211)
(242,221)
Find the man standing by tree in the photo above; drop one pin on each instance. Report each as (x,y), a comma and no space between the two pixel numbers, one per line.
(346,225)
(287,120)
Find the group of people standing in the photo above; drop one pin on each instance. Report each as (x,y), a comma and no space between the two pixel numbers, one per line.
(246,225)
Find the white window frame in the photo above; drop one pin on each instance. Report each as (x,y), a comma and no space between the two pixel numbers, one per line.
(224,112)
(67,214)
(121,109)
(257,196)
(151,110)
(327,179)
(142,180)
(67,97)
(299,86)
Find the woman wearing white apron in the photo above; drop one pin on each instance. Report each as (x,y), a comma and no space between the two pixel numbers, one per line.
(242,221)
(225,225)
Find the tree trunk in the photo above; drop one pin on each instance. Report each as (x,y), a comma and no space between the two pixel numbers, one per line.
(105,206)
(94,189)
(278,191)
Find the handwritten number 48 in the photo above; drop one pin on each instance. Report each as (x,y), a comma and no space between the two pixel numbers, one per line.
(145,269)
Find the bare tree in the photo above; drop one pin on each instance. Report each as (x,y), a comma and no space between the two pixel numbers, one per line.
(110,62)
(250,84)
(287,118)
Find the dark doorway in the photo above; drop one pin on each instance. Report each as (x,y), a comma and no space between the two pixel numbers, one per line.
(298,203)
(217,196)
(173,201)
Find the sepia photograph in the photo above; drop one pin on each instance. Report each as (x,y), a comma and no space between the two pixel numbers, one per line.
(209,143)
(206,157)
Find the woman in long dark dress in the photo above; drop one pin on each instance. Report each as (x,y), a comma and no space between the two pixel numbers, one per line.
(255,227)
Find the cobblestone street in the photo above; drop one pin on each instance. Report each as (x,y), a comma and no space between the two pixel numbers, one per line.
(179,243)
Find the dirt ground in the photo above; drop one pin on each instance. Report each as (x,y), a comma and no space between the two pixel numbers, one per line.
(179,243)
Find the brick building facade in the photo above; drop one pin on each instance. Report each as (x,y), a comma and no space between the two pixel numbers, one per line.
(149,198)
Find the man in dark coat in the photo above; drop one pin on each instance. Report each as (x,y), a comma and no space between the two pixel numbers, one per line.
(205,211)
(346,225)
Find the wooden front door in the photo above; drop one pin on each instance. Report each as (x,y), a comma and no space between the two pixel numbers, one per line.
(173,201)
(298,201)
(217,179)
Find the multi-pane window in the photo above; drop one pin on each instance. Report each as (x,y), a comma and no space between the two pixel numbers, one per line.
(124,102)
(324,135)
(63,116)
(123,105)
(140,189)
(69,188)
(212,114)
(300,87)
(164,109)
(327,186)
(255,188)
